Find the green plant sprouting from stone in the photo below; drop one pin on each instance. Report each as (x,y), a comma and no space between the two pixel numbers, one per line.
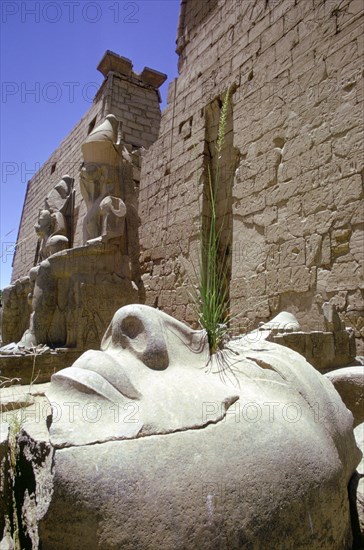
(212,300)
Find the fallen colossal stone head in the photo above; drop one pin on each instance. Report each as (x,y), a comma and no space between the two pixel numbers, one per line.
(158,446)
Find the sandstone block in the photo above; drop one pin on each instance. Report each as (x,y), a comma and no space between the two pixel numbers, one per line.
(338,278)
(313,250)
(357,243)
(5,482)
(349,383)
(292,253)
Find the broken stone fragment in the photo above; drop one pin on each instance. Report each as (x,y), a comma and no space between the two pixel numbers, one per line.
(153,443)
(5,491)
(199,449)
(349,383)
(332,320)
(359,438)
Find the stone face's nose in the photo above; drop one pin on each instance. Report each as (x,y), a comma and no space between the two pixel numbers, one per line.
(143,336)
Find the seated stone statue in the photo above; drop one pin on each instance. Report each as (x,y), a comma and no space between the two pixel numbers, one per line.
(51,226)
(57,199)
(101,182)
(53,237)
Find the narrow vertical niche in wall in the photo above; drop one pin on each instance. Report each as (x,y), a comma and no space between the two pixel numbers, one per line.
(227,165)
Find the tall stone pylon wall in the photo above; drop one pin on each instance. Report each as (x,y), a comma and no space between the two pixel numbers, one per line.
(293,179)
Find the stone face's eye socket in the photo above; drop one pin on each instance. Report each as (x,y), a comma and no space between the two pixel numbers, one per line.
(131,326)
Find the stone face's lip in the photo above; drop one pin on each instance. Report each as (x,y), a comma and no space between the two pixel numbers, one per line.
(88,381)
(164,402)
(104,384)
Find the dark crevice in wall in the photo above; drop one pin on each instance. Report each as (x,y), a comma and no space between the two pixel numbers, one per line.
(226,164)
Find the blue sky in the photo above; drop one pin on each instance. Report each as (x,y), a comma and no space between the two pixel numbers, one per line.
(49,54)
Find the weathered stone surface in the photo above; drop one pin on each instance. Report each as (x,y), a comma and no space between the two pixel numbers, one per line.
(5,491)
(75,291)
(16,310)
(121,380)
(53,227)
(324,350)
(20,367)
(295,218)
(355,316)
(296,125)
(11,399)
(283,322)
(220,481)
(116,63)
(349,382)
(34,479)
(27,469)
(19,396)
(102,183)
(359,438)
(152,77)
(101,146)
(214,494)
(332,320)
(296,122)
